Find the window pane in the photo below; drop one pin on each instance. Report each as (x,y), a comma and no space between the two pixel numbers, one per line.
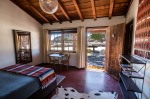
(69,41)
(52,48)
(70,48)
(65,48)
(55,40)
(59,48)
(64,40)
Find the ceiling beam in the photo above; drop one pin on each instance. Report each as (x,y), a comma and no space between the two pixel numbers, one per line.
(56,18)
(42,16)
(111,8)
(64,12)
(93,9)
(78,10)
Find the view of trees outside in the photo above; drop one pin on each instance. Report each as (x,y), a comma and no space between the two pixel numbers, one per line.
(99,37)
(96,39)
(96,49)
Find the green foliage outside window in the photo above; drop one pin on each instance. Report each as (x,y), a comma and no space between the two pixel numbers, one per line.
(98,36)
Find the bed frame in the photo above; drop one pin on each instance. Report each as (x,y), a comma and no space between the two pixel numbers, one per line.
(43,93)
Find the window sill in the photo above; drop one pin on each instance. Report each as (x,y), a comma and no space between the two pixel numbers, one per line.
(63,51)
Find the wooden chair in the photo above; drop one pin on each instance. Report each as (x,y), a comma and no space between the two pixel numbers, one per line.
(65,60)
(53,60)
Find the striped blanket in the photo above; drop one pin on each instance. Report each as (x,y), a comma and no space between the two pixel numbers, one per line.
(45,75)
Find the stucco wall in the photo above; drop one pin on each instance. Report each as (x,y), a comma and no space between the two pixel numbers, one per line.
(12,17)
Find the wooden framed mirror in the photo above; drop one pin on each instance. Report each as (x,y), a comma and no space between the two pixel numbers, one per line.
(22,43)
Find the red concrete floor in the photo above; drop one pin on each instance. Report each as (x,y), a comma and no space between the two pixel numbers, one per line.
(87,80)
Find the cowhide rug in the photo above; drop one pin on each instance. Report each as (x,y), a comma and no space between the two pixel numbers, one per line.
(71,93)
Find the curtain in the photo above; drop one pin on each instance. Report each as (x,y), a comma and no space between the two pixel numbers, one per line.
(81,37)
(46,45)
(107,49)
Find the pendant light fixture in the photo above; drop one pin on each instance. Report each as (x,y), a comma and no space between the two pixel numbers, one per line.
(49,6)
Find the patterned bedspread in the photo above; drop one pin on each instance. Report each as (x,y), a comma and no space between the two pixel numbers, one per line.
(45,75)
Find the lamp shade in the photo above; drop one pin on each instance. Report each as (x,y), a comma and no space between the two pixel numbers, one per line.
(49,6)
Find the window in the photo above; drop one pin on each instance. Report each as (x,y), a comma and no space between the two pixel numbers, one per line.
(55,40)
(63,40)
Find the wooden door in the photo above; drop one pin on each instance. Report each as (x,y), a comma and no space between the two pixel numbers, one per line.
(114,47)
(128,38)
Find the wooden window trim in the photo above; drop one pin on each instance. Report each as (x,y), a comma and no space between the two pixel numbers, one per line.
(64,31)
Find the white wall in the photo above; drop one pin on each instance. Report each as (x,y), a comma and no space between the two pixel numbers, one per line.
(12,17)
(132,14)
(86,23)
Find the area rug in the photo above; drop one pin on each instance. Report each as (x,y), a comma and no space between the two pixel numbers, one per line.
(59,78)
(71,93)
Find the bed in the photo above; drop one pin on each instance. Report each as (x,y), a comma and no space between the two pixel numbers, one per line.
(21,81)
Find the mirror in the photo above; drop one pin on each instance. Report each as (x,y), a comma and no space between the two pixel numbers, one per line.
(22,43)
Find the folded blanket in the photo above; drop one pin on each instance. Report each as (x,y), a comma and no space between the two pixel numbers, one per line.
(45,75)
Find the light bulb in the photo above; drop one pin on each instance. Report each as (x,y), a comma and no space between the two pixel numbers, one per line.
(49,6)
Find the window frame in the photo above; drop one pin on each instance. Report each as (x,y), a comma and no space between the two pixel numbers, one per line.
(63,32)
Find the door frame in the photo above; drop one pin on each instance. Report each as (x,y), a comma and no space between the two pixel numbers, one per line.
(86,41)
(128,38)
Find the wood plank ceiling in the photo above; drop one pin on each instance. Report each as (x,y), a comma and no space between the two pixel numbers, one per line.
(70,10)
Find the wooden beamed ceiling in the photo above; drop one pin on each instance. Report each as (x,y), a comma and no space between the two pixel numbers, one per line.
(111,8)
(70,10)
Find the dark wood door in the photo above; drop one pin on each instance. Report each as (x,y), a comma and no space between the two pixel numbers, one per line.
(128,38)
(114,47)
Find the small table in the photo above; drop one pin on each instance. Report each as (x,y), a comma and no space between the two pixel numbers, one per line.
(56,57)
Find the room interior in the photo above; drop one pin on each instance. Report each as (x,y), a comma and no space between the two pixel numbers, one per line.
(124,21)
